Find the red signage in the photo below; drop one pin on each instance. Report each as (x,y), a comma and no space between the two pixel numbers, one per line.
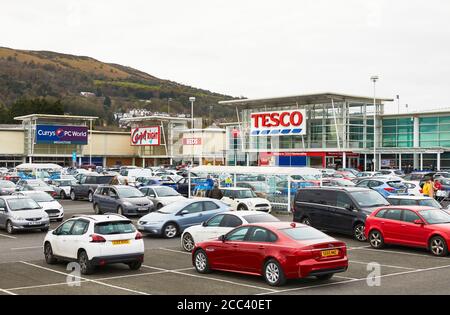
(192,141)
(289,122)
(144,136)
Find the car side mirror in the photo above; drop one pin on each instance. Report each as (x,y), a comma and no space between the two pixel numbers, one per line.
(204,224)
(418,222)
(222,238)
(55,232)
(2,209)
(184,212)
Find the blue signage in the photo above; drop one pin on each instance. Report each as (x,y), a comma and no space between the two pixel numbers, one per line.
(61,134)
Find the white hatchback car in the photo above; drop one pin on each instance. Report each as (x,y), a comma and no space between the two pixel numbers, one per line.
(221,224)
(53,208)
(239,198)
(95,240)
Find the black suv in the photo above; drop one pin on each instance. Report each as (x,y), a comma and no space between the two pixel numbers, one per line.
(87,185)
(338,209)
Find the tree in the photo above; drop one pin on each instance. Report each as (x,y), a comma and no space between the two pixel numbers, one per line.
(107,102)
(36,106)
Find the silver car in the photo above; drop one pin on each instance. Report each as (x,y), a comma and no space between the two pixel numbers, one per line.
(161,195)
(22,213)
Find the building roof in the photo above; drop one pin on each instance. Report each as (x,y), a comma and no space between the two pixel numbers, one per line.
(155,117)
(441,111)
(55,117)
(302,99)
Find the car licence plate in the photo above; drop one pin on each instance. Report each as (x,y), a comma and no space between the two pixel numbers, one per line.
(34,223)
(142,209)
(121,242)
(329,253)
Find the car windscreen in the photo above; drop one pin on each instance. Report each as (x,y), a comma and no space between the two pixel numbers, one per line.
(115,227)
(304,233)
(435,216)
(260,217)
(7,184)
(22,204)
(36,183)
(41,197)
(166,192)
(396,184)
(242,194)
(129,192)
(104,179)
(174,207)
(369,198)
(66,183)
(430,203)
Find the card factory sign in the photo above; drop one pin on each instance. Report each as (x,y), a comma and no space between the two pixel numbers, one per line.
(146,136)
(279,123)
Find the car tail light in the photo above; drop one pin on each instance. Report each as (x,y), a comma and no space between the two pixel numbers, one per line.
(421,191)
(389,189)
(138,236)
(97,239)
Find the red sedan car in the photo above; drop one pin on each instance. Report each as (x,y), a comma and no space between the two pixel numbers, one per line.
(275,250)
(414,226)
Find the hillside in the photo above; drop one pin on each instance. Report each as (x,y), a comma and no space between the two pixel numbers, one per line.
(33,74)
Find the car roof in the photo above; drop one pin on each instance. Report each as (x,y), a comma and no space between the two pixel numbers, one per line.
(102,218)
(14,197)
(409,197)
(156,186)
(244,213)
(349,189)
(234,188)
(278,225)
(407,207)
(31,192)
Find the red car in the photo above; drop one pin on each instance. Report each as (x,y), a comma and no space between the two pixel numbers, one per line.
(276,250)
(414,226)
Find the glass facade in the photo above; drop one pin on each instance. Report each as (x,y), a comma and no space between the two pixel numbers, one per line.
(398,133)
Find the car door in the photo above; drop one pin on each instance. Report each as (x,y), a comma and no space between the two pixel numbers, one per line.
(228,223)
(151,193)
(325,208)
(211,229)
(254,249)
(210,208)
(75,240)
(344,213)
(194,215)
(111,200)
(412,233)
(3,213)
(59,243)
(391,225)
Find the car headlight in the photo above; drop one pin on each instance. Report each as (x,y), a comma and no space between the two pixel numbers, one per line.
(127,204)
(18,218)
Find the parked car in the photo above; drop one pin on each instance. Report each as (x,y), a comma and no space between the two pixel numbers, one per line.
(277,251)
(161,195)
(35,184)
(95,240)
(86,187)
(413,188)
(182,186)
(221,224)
(390,172)
(282,186)
(385,186)
(413,201)
(52,207)
(62,187)
(338,209)
(413,226)
(344,174)
(349,169)
(171,220)
(367,174)
(22,213)
(124,200)
(337,182)
(13,177)
(261,189)
(244,199)
(7,187)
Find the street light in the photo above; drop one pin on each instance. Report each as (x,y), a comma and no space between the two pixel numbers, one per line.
(168,105)
(192,100)
(374,79)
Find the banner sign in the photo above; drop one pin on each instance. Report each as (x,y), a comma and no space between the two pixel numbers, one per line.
(192,141)
(61,134)
(280,123)
(143,136)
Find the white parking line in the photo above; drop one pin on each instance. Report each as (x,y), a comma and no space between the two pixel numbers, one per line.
(402,253)
(358,280)
(358,247)
(346,278)
(388,266)
(8,236)
(88,280)
(7,292)
(174,251)
(214,279)
(30,247)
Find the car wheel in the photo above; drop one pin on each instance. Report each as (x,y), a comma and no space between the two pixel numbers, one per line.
(48,253)
(273,273)
(170,230)
(135,265)
(358,232)
(62,195)
(305,221)
(73,196)
(376,239)
(438,246)
(159,206)
(86,267)
(201,262)
(242,207)
(9,228)
(97,209)
(120,210)
(91,196)
(188,242)
(325,277)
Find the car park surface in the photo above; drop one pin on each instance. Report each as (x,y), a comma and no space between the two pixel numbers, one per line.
(168,270)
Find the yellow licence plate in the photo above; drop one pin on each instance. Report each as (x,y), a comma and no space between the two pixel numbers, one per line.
(331,252)
(121,242)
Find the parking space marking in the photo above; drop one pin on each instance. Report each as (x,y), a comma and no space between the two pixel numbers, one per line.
(359,247)
(174,251)
(8,236)
(7,292)
(402,253)
(347,278)
(30,247)
(382,265)
(214,279)
(87,280)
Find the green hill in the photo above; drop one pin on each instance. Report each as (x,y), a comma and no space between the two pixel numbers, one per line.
(55,76)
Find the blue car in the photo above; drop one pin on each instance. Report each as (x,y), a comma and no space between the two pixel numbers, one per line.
(173,219)
(282,187)
(386,187)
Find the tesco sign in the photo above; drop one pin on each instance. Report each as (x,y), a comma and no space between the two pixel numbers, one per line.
(142,136)
(280,123)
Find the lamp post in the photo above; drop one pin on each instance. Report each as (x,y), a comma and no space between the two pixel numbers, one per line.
(374,79)
(192,100)
(168,105)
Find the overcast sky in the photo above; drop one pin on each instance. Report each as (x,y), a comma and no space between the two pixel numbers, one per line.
(254,48)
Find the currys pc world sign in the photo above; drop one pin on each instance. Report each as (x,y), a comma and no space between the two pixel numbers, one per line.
(61,134)
(142,136)
(280,123)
